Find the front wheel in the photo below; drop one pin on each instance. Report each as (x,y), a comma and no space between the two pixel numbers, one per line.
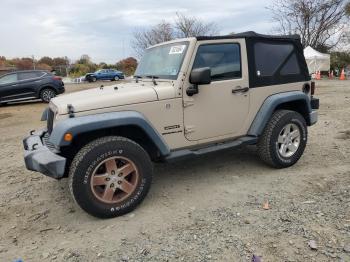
(284,139)
(110,176)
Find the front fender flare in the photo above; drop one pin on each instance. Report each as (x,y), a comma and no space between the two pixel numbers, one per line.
(83,124)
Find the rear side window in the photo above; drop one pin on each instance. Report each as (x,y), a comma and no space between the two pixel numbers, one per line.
(272,59)
(8,79)
(224,60)
(291,67)
(29,75)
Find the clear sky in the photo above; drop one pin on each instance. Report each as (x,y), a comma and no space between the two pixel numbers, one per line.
(103,28)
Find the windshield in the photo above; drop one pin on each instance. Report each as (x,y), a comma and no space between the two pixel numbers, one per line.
(163,61)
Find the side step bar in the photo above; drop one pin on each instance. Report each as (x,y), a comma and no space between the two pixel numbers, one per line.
(186,153)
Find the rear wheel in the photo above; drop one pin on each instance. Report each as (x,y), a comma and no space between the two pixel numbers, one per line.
(110,176)
(116,78)
(284,139)
(47,94)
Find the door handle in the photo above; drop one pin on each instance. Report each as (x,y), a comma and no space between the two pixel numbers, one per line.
(239,89)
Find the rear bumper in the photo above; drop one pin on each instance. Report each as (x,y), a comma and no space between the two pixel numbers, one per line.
(40,158)
(313,117)
(61,90)
(315,105)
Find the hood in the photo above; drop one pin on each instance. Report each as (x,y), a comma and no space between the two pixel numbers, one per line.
(112,96)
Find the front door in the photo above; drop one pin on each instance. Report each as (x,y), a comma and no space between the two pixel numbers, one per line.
(220,108)
(27,83)
(8,87)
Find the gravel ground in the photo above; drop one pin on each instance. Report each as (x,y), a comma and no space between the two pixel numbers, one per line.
(207,209)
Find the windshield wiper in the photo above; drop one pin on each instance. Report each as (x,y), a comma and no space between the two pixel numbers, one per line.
(153,79)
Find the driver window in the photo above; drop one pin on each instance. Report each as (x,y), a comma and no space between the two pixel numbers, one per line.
(224,60)
(7,79)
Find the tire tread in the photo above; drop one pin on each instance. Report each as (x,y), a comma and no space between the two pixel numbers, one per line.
(84,151)
(264,142)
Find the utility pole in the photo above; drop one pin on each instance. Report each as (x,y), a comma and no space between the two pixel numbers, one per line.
(33,62)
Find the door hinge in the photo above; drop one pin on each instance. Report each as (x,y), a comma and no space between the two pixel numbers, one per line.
(187,103)
(189,129)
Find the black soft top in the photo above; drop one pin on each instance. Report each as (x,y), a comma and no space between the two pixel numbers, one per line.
(272,59)
(250,34)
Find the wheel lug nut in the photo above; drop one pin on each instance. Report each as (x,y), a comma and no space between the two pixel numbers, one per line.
(107,179)
(113,172)
(112,185)
(119,182)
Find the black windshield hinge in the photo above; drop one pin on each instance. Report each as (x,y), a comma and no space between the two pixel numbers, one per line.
(70,111)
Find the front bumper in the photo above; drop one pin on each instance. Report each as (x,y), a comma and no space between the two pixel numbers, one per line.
(38,157)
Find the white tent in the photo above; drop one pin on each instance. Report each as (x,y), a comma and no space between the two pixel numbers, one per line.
(316,61)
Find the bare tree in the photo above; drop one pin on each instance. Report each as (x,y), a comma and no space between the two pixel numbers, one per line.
(183,26)
(318,22)
(189,26)
(159,33)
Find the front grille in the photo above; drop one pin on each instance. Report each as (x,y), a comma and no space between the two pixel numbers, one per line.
(46,142)
(50,119)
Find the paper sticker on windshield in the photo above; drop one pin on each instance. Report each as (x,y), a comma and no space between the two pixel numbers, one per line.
(177,49)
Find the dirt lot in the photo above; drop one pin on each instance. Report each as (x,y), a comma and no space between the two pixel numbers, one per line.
(206,209)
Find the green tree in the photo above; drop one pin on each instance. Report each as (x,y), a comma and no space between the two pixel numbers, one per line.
(340,60)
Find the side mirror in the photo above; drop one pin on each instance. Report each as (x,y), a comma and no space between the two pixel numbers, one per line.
(199,76)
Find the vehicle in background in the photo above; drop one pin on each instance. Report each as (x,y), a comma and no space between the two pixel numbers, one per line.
(105,74)
(33,84)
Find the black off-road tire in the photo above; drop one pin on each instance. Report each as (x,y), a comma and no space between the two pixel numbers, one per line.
(94,153)
(47,94)
(268,149)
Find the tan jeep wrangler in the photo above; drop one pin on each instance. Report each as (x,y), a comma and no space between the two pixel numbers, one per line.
(189,97)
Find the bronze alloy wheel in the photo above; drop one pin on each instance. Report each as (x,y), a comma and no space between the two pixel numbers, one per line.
(110,176)
(114,180)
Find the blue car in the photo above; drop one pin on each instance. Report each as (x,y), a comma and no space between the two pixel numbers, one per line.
(104,74)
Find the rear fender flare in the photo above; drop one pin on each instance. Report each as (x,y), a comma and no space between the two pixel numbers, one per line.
(269,106)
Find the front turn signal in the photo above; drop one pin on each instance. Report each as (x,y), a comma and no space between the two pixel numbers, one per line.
(68,137)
